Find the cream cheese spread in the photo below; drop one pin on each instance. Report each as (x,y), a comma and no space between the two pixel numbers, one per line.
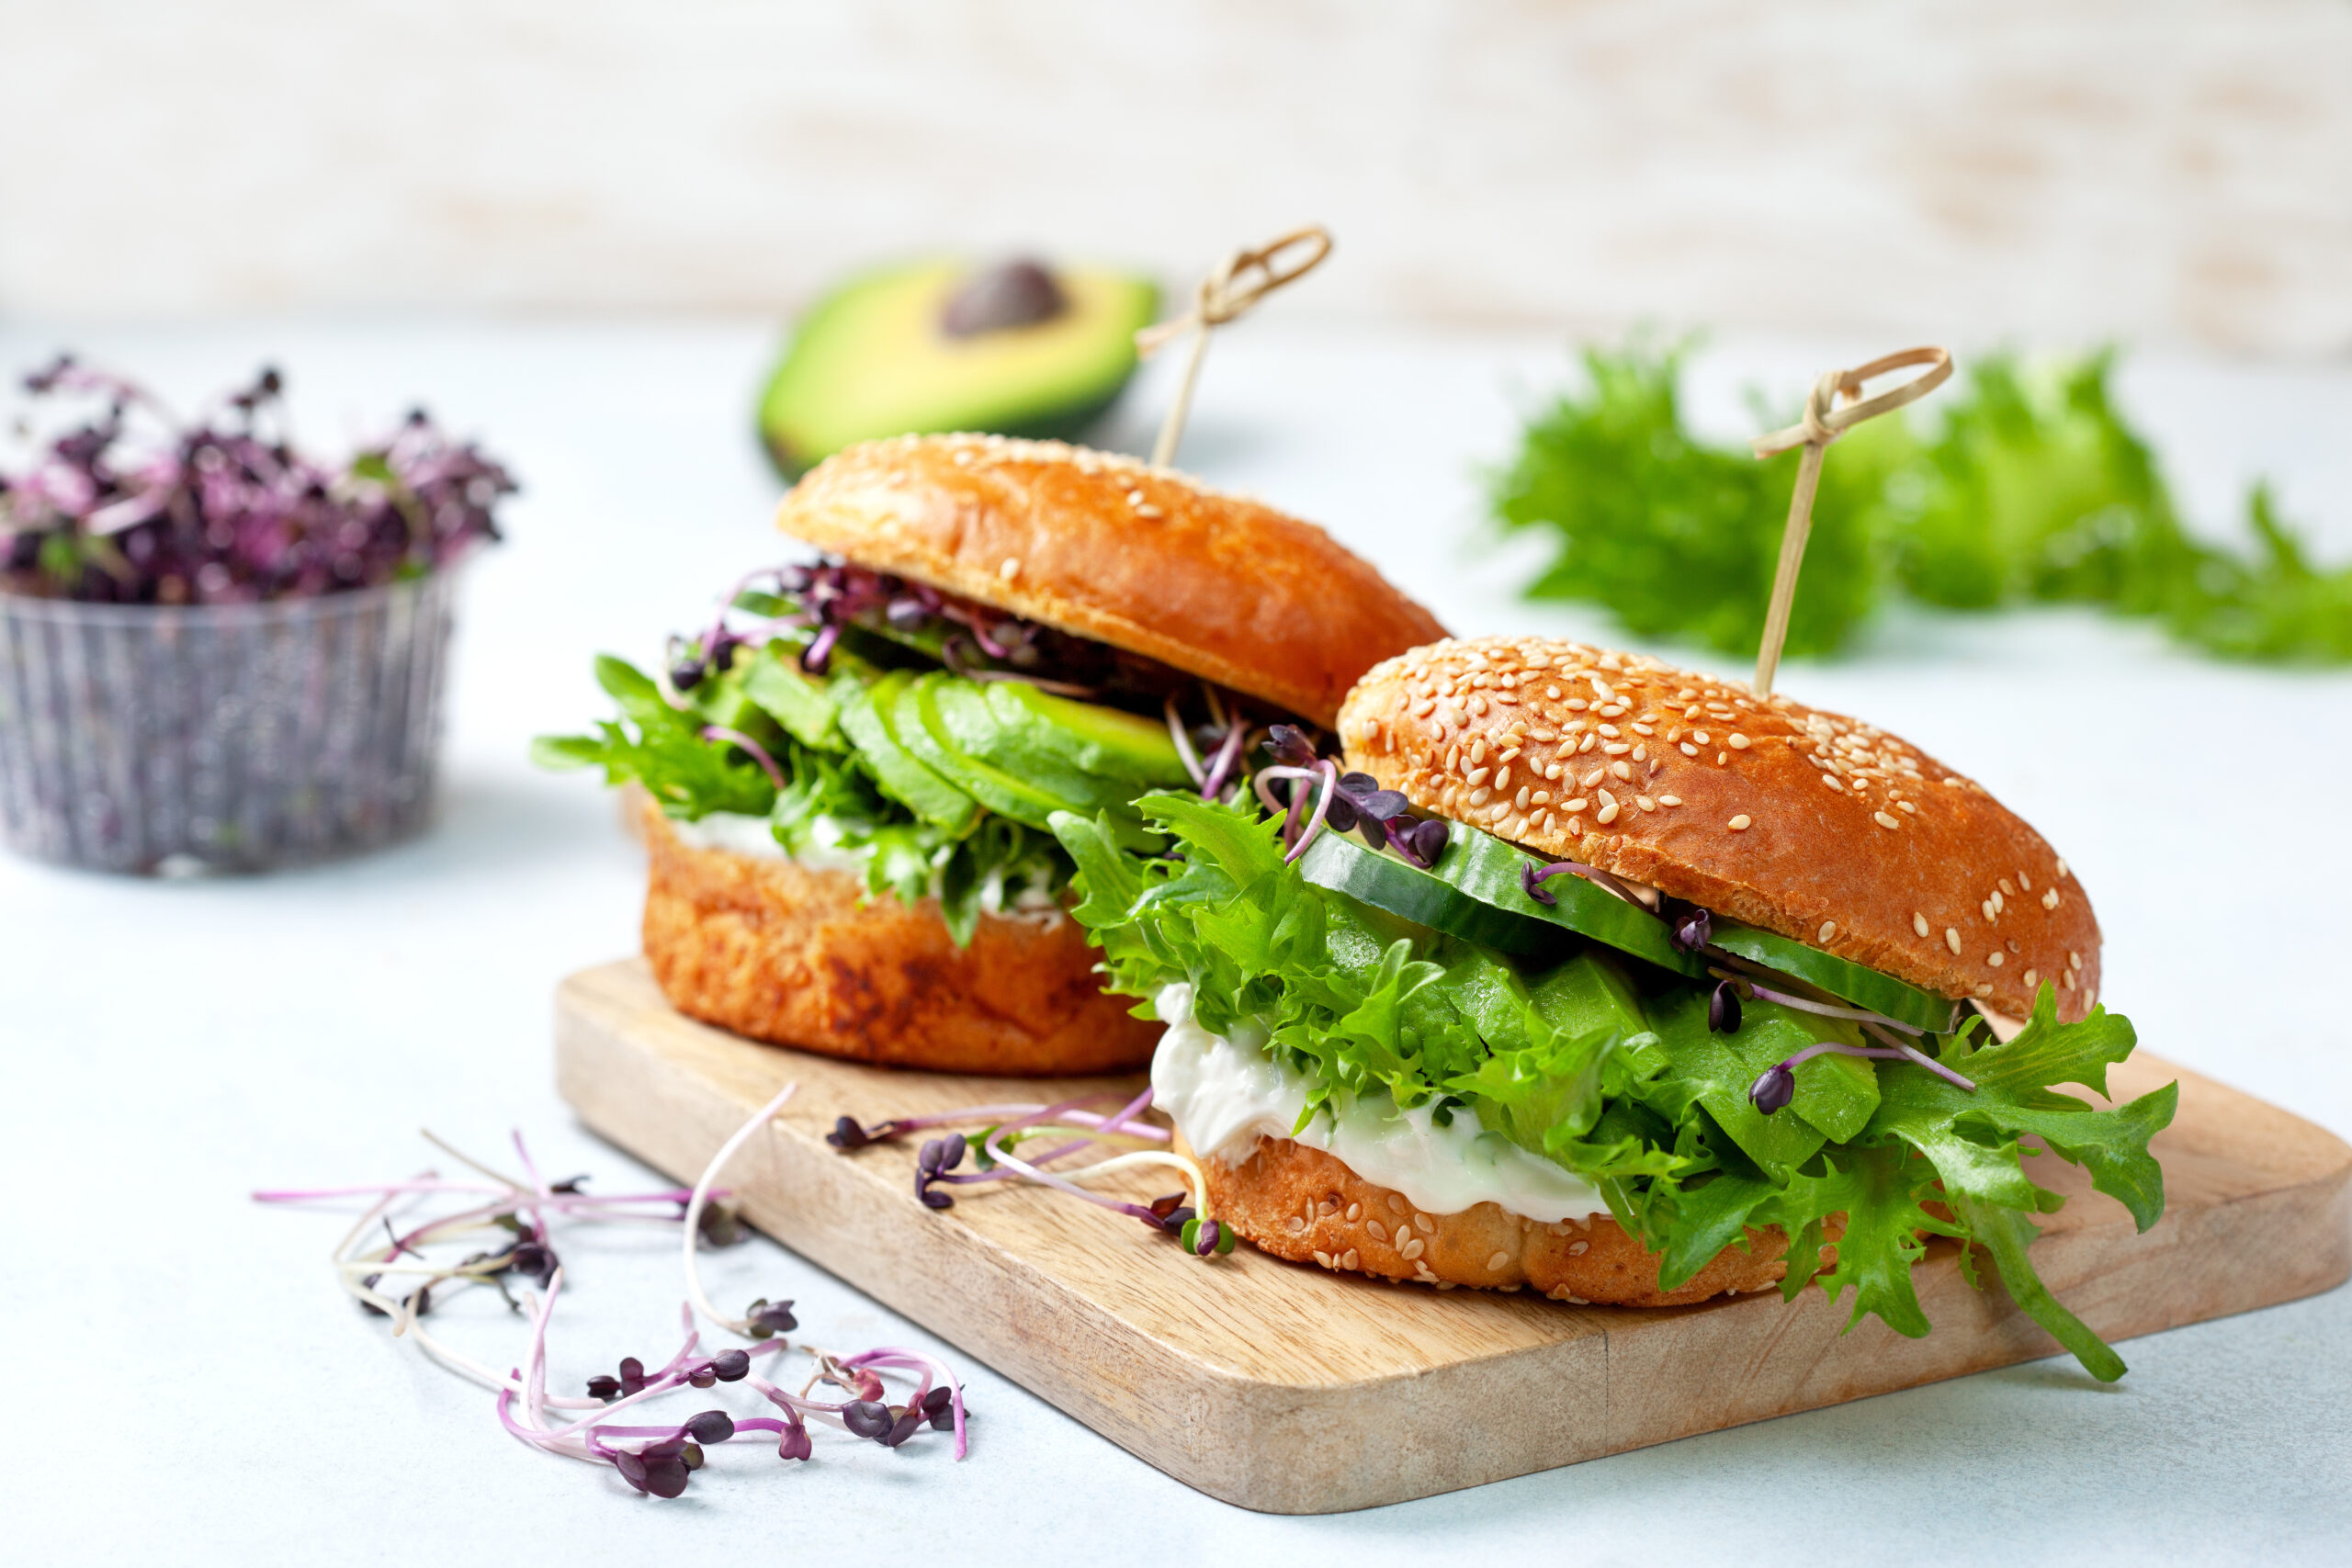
(820,851)
(1224,1092)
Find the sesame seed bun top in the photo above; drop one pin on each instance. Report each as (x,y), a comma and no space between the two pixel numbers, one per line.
(1825,830)
(1111,548)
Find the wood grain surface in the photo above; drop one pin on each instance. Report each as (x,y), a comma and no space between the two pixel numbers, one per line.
(1289,1390)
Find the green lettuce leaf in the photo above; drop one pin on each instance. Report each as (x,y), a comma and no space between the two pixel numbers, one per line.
(1611,1072)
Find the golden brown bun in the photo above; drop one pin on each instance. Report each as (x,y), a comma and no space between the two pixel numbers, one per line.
(1306,1205)
(770,949)
(1827,831)
(1109,548)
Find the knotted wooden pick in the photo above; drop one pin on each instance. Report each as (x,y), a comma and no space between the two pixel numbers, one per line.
(1824,422)
(1245,277)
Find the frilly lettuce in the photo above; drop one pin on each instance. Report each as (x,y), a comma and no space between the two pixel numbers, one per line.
(1657,1116)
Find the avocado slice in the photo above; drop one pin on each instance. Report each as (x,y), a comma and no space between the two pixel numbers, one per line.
(876,357)
(1104,741)
(1007,737)
(915,715)
(864,718)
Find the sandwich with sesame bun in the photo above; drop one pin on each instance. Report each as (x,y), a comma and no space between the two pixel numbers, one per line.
(1578,972)
(846,780)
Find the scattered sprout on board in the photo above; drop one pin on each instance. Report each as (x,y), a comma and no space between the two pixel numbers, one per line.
(505,1228)
(2027,487)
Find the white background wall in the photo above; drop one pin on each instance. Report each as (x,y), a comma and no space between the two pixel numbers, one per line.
(2176,172)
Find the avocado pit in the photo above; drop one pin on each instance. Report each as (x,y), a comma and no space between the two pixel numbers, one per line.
(1017,293)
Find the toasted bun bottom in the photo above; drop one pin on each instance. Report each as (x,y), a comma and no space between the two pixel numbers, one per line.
(780,952)
(1303,1204)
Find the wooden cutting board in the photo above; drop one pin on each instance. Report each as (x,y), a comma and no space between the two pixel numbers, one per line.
(1290,1390)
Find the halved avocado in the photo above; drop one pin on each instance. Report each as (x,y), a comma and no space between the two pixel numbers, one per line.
(940,346)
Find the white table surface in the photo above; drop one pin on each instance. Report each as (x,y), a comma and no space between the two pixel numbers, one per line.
(189,1386)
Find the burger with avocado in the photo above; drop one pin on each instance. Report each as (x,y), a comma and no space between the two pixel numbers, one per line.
(1581,973)
(847,779)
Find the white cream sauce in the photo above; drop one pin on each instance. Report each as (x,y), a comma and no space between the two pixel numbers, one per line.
(1223,1092)
(820,851)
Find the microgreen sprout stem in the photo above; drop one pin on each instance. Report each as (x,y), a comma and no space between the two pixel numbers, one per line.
(752,749)
(656,1459)
(1118,1134)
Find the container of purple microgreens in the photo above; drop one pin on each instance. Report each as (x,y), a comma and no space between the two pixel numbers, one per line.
(217,654)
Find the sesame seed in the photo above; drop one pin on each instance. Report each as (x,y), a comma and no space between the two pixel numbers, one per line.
(1700,736)
(1575,827)
(1918,922)
(1670,800)
(1998,906)
(1578,1248)
(1589,742)
(1883,820)
(1480,796)
(1495,1264)
(1579,804)
(1410,1250)
(1147,509)
(1721,758)
(1906,808)
(1739,824)
(1477,777)
(1397,1204)
(1986,989)
(1997,959)
(1643,729)
(1605,815)
(1478,750)
(1349,1260)
(1324,1258)
(1521,801)
(2031,976)
(1356,1212)
(2007,888)
(1738,742)
(1951,938)
(2049,898)
(1622,770)
(1553,693)
(2012,945)
(1502,777)
(2074,960)
(1831,780)
(1615,748)
(1379,1232)
(1689,749)
(1609,730)
(1009,570)
(1985,908)
(2025,882)
(2061,867)
(1645,802)
(1426,1226)
(1295,1225)
(1829,930)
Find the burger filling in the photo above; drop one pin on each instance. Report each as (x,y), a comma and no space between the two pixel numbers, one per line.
(859,722)
(1451,1017)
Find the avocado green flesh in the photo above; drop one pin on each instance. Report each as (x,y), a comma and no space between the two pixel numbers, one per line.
(1101,740)
(914,714)
(968,724)
(863,717)
(870,360)
(1865,988)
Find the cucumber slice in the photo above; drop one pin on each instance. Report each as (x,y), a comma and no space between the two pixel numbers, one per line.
(931,797)
(1863,987)
(1488,869)
(1344,865)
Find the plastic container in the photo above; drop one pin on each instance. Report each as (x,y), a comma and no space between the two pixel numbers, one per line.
(232,738)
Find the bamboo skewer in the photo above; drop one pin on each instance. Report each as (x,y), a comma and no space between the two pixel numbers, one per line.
(1245,277)
(1824,422)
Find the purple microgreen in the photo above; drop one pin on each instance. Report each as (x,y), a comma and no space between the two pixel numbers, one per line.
(768,1319)
(939,1156)
(1777,1085)
(1690,930)
(868,1419)
(1722,1009)
(226,511)
(1288,745)
(1182,738)
(1921,1058)
(1228,751)
(848,1135)
(1825,1010)
(1330,778)
(750,748)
